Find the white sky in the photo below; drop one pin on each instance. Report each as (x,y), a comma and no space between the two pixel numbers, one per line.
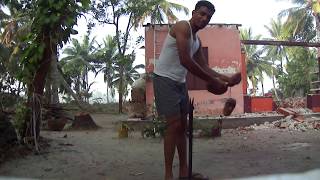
(248,13)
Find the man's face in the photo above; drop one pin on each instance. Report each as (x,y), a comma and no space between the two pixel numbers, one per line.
(202,16)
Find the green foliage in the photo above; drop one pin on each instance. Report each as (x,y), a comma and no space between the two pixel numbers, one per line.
(51,24)
(298,76)
(128,14)
(299,23)
(161,11)
(255,61)
(9,100)
(156,129)
(79,61)
(129,74)
(22,113)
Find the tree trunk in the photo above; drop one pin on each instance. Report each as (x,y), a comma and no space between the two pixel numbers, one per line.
(47,93)
(107,94)
(253,86)
(121,90)
(70,91)
(317,17)
(38,84)
(1,85)
(274,85)
(262,88)
(54,77)
(19,88)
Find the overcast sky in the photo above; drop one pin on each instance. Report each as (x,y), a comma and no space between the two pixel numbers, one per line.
(248,13)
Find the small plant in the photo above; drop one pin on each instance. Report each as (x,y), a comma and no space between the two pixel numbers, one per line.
(211,131)
(21,114)
(156,129)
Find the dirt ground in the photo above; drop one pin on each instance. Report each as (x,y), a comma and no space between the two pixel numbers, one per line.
(101,154)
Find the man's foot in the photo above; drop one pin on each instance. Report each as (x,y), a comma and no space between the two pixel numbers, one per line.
(229,106)
(195,176)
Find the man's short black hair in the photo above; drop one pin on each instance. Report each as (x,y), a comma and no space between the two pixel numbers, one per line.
(207,4)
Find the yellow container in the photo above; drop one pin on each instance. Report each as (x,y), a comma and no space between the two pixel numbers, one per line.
(123,131)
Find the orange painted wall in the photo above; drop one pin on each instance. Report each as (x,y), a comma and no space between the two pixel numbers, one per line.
(224,56)
(313,102)
(261,104)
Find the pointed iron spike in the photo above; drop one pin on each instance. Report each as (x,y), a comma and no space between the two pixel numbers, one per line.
(192,102)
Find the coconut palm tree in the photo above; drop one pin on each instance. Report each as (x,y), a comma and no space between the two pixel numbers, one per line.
(276,54)
(256,64)
(163,10)
(129,75)
(277,32)
(13,26)
(107,56)
(124,16)
(78,63)
(300,20)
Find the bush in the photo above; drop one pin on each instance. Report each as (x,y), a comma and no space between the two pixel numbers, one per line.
(22,113)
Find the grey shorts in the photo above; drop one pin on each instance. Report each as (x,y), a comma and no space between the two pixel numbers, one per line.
(171,97)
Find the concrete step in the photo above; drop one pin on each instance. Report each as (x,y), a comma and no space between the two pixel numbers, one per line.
(205,122)
(318,89)
(227,122)
(315,82)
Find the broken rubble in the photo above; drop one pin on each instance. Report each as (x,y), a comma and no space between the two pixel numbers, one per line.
(289,123)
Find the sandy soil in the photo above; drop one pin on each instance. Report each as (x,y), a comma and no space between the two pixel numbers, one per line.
(102,155)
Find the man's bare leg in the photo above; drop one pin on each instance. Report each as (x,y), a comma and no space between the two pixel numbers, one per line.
(170,143)
(182,147)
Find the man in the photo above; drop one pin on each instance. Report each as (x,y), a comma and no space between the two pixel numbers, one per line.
(180,53)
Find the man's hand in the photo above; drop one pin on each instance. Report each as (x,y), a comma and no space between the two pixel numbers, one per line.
(217,86)
(234,79)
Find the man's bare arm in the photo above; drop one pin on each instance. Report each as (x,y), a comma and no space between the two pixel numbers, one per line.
(200,59)
(232,80)
(182,32)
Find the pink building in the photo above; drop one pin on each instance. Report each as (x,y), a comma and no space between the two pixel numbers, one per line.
(222,47)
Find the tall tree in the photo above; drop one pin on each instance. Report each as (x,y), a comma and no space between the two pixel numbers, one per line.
(51,25)
(107,56)
(14,25)
(299,23)
(163,12)
(276,54)
(256,64)
(130,73)
(123,15)
(295,82)
(79,61)
(303,22)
